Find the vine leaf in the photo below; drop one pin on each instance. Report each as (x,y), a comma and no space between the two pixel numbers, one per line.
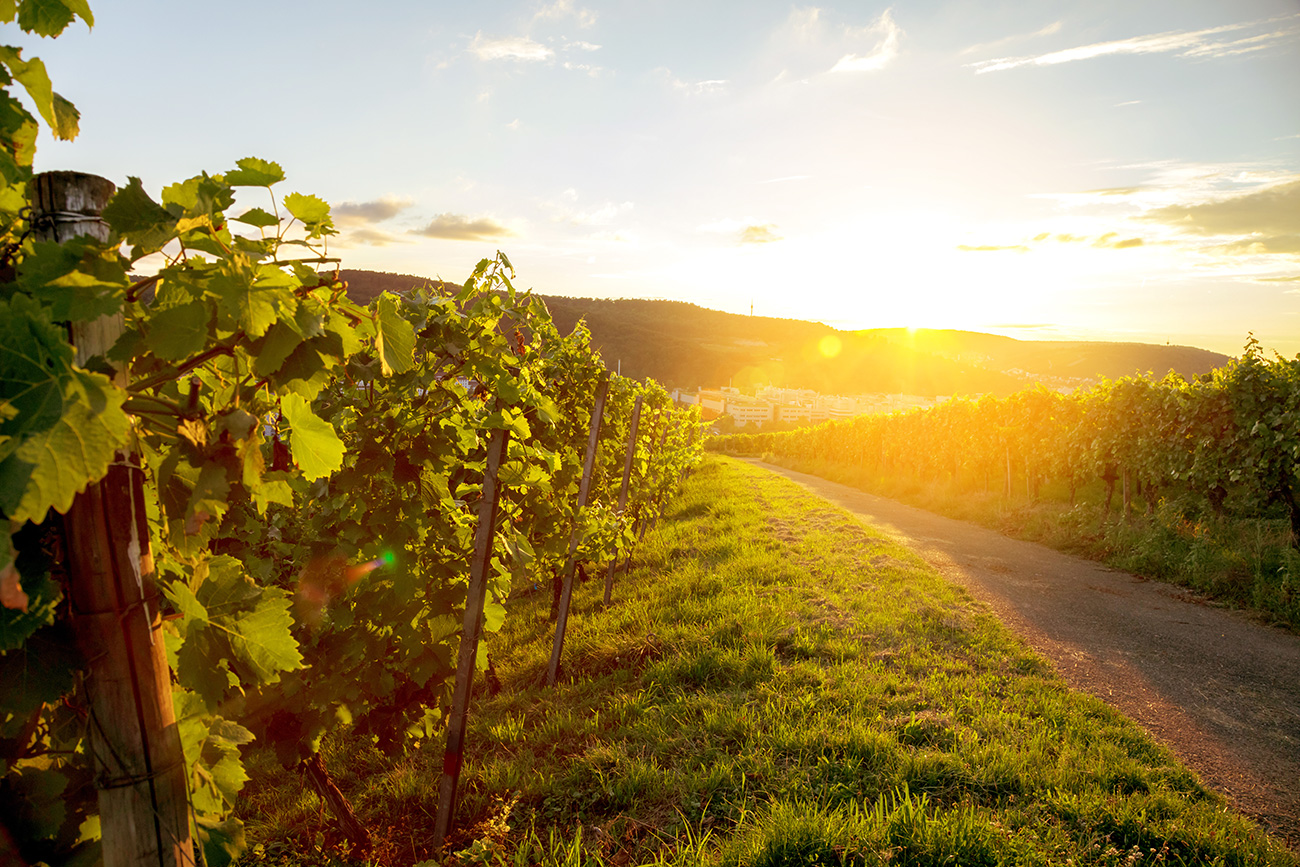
(255,305)
(316,448)
(51,17)
(179,332)
(253,172)
(136,217)
(395,342)
(309,209)
(53,466)
(232,620)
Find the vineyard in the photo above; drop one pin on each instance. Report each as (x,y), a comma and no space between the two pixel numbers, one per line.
(1220,448)
(241,506)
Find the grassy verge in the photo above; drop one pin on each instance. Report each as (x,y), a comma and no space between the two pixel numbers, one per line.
(775,684)
(1248,564)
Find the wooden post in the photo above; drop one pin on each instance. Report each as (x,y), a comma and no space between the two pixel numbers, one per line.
(1128,497)
(472,626)
(1008,449)
(622,491)
(135,749)
(566,592)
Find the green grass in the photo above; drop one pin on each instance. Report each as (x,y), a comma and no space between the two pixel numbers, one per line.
(775,684)
(1246,563)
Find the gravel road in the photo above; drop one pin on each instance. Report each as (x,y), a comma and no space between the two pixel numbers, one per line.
(1219,689)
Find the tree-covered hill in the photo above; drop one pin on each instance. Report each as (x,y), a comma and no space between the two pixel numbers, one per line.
(685,345)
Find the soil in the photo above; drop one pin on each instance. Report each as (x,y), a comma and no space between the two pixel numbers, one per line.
(1221,690)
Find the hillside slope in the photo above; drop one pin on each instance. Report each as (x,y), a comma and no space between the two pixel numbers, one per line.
(684,345)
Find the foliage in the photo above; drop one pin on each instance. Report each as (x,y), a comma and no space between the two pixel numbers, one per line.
(312,467)
(1226,442)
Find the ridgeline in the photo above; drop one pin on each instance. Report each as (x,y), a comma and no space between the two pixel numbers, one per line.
(684,345)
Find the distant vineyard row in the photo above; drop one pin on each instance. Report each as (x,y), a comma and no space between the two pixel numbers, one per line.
(1224,443)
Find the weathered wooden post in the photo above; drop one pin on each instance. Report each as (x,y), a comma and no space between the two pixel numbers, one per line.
(566,592)
(472,627)
(139,768)
(622,491)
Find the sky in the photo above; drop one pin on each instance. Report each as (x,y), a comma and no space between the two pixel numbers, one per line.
(1084,169)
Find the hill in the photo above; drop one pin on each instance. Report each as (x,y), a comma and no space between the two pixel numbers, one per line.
(685,345)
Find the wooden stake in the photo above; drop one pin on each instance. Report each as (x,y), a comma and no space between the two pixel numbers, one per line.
(622,491)
(472,626)
(566,593)
(135,749)
(1128,497)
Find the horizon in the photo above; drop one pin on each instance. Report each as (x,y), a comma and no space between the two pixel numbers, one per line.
(1106,172)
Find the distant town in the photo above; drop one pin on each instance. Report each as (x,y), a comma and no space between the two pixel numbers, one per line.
(791,407)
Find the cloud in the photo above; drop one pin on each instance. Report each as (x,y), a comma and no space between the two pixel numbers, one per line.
(370,212)
(804,24)
(516,48)
(588,68)
(692,88)
(761,233)
(1107,241)
(1293,278)
(993,248)
(583,46)
(782,180)
(371,237)
(746,231)
(1182,43)
(1286,245)
(998,44)
(455,227)
(1272,211)
(565,209)
(885,35)
(561,9)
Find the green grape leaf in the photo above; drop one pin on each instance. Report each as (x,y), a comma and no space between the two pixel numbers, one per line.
(230,618)
(35,363)
(256,308)
(349,337)
(272,491)
(309,209)
(179,332)
(39,794)
(278,343)
(16,624)
(223,839)
(315,446)
(494,615)
(253,172)
(52,466)
(257,217)
(35,80)
(137,218)
(395,341)
(77,280)
(51,17)
(200,196)
(67,119)
(40,672)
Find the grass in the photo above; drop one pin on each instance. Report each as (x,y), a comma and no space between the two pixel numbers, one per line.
(774,684)
(1245,563)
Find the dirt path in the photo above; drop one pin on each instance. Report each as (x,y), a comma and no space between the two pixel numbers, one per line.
(1220,690)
